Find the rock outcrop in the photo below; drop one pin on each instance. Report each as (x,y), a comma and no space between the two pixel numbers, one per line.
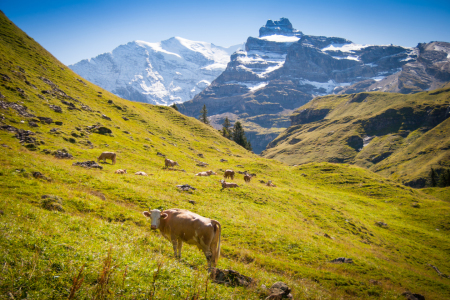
(283,69)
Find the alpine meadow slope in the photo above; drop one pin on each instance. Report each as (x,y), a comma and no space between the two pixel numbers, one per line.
(92,241)
(398,136)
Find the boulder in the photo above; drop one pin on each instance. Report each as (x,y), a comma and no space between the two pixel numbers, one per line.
(88,165)
(279,290)
(230,277)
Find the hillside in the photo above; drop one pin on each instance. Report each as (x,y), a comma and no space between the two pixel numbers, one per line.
(398,136)
(283,69)
(95,230)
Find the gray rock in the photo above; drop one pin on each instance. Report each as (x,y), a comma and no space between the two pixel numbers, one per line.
(230,277)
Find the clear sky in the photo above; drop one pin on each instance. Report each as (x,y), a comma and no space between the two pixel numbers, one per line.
(74,30)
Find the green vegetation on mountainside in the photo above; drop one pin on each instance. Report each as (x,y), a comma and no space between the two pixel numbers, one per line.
(398,136)
(291,232)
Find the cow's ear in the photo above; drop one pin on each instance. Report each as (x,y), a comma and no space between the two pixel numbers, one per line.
(147,214)
(164,216)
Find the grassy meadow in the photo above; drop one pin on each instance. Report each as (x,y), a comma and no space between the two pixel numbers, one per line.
(96,244)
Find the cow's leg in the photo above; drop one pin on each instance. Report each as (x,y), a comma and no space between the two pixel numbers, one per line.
(208,254)
(175,246)
(180,243)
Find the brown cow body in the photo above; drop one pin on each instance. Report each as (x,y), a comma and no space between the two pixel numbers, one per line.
(170,163)
(226,185)
(229,174)
(180,225)
(207,173)
(107,155)
(120,171)
(247,177)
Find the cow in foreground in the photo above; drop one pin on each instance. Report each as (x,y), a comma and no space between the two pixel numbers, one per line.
(207,173)
(107,155)
(226,185)
(229,174)
(180,225)
(120,171)
(170,163)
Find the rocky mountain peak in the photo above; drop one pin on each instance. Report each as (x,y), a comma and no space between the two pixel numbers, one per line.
(281,27)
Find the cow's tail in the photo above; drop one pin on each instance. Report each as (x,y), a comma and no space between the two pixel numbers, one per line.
(215,245)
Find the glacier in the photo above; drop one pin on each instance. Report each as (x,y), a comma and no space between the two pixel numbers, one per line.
(163,73)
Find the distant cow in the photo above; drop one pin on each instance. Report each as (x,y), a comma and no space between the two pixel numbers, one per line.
(229,174)
(141,173)
(226,185)
(180,225)
(207,173)
(269,183)
(120,171)
(247,177)
(107,155)
(170,163)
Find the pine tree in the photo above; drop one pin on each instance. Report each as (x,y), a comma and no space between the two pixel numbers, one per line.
(226,128)
(239,136)
(443,179)
(204,115)
(433,178)
(174,106)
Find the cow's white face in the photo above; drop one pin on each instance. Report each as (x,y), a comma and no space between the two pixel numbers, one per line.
(155,216)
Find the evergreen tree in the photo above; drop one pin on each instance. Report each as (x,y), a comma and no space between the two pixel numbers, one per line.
(174,106)
(433,178)
(226,132)
(239,136)
(443,179)
(204,115)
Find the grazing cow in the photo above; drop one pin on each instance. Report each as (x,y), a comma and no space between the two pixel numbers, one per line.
(269,183)
(229,174)
(107,155)
(247,177)
(170,163)
(207,173)
(120,171)
(141,173)
(226,185)
(180,225)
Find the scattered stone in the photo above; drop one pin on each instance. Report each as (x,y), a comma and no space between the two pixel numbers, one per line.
(304,175)
(223,160)
(381,224)
(69,104)
(110,102)
(160,154)
(328,236)
(262,181)
(21,110)
(58,123)
(5,77)
(25,136)
(186,187)
(85,107)
(9,128)
(411,296)
(42,97)
(439,272)
(192,202)
(173,169)
(45,120)
(51,202)
(202,164)
(39,175)
(56,108)
(200,155)
(46,151)
(88,164)
(63,154)
(1,96)
(340,260)
(240,166)
(416,205)
(125,118)
(6,146)
(279,290)
(30,84)
(81,81)
(54,130)
(47,81)
(106,117)
(127,132)
(33,124)
(230,277)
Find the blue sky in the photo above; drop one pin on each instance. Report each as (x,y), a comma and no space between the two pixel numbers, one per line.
(75,30)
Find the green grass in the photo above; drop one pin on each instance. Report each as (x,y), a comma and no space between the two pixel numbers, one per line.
(100,245)
(410,134)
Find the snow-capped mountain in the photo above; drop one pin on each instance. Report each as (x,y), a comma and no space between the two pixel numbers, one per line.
(171,71)
(283,69)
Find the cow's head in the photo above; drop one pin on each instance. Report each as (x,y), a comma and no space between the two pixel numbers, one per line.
(155,215)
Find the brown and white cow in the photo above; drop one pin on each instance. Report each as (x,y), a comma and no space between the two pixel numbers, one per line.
(226,185)
(170,163)
(107,155)
(207,173)
(180,225)
(229,174)
(120,171)
(141,173)
(247,177)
